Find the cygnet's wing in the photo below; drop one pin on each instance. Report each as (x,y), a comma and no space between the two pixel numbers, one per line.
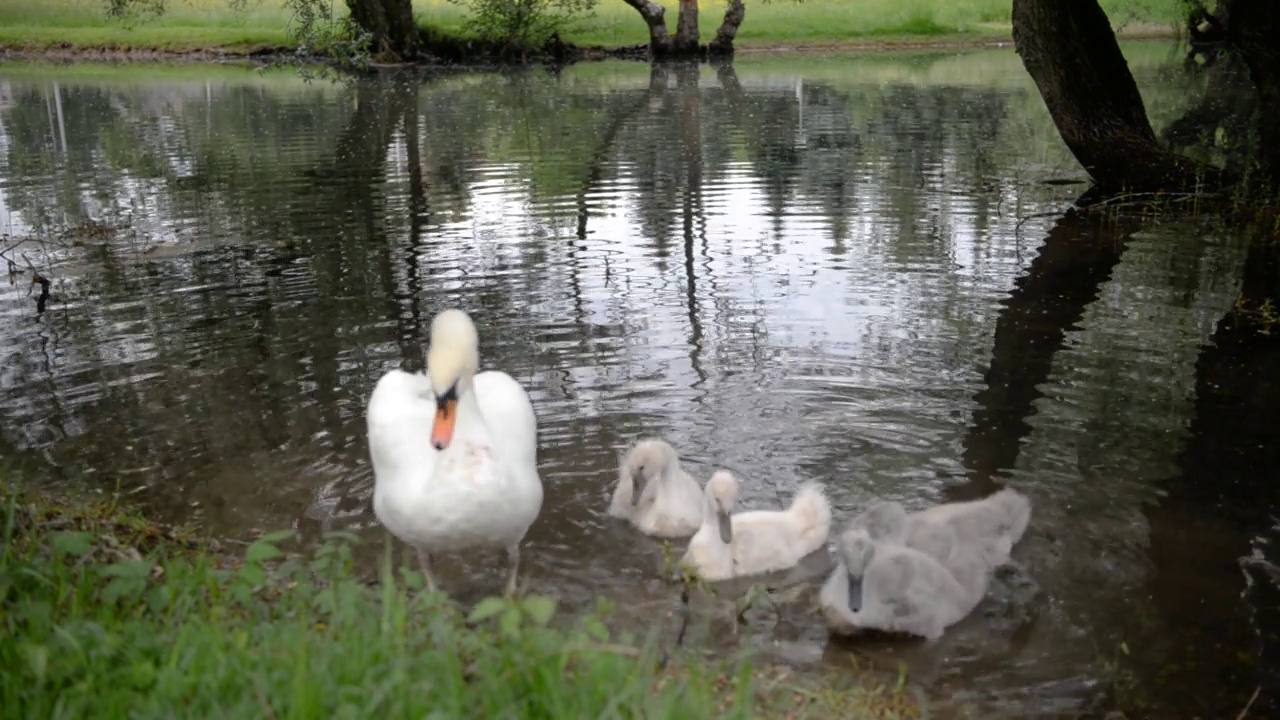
(889,581)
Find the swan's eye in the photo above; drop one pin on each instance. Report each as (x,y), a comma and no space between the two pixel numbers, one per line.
(450,395)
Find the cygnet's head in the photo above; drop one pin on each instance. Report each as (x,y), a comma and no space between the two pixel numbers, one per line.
(884,521)
(722,493)
(647,460)
(453,358)
(856,550)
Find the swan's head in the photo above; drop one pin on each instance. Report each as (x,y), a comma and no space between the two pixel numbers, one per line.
(855,549)
(884,521)
(452,360)
(722,492)
(648,459)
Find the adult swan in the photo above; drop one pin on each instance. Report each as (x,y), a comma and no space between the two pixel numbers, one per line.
(454,452)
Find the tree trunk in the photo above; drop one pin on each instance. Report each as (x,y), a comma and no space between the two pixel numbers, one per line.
(1072,55)
(686,43)
(1045,304)
(1253,28)
(734,13)
(655,17)
(390,22)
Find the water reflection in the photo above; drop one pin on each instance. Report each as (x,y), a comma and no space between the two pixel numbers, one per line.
(848,270)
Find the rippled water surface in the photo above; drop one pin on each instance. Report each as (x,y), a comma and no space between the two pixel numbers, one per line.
(850,269)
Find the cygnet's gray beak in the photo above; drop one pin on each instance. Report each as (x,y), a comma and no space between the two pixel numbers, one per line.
(726,526)
(855,593)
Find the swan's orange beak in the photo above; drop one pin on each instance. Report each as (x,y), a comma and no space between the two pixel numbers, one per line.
(446,416)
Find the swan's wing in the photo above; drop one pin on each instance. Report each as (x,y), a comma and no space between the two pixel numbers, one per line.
(399,419)
(508,412)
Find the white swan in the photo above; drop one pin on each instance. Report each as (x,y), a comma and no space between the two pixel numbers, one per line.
(993,524)
(454,452)
(655,493)
(758,541)
(895,588)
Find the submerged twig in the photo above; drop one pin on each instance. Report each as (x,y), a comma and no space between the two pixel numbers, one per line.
(609,648)
(36,279)
(1249,704)
(685,613)
(1017,229)
(262,698)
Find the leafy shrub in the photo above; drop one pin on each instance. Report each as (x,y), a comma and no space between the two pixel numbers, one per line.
(524,25)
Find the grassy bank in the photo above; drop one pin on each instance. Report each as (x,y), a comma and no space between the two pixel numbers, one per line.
(106,615)
(192,25)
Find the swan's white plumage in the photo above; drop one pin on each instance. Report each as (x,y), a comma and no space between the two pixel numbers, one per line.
(670,500)
(761,541)
(901,589)
(483,489)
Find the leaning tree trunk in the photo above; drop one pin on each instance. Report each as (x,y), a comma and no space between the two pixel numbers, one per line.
(655,17)
(390,22)
(734,13)
(686,42)
(1253,28)
(1072,55)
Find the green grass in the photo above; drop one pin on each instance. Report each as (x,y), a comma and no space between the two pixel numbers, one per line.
(103,614)
(214,24)
(185,25)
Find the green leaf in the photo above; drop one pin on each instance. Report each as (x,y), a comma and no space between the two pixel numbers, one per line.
(37,661)
(34,574)
(604,607)
(509,622)
(34,613)
(158,598)
(253,575)
(77,544)
(123,587)
(341,535)
(143,675)
(135,570)
(486,609)
(595,629)
(261,550)
(277,537)
(291,568)
(540,609)
(412,579)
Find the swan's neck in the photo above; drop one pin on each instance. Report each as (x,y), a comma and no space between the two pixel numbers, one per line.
(470,422)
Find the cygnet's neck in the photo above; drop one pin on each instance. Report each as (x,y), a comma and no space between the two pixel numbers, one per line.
(666,473)
(711,520)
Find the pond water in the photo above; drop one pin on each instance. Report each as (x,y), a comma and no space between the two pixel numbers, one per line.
(855,269)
